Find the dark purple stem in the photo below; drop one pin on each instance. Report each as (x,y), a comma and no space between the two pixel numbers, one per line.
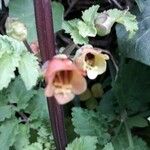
(45,32)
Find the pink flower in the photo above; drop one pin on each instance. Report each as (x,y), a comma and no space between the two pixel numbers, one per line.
(92,61)
(64,80)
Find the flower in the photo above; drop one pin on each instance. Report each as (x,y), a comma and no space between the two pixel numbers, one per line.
(64,80)
(92,61)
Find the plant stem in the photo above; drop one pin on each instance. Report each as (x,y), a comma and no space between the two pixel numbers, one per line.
(27,46)
(129,135)
(45,32)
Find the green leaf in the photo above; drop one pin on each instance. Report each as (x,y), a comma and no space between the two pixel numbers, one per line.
(22,138)
(38,107)
(140,5)
(71,28)
(17,93)
(90,123)
(137,121)
(24,10)
(89,15)
(87,27)
(106,105)
(5,112)
(108,146)
(29,69)
(58,12)
(34,146)
(7,67)
(138,47)
(10,46)
(132,79)
(83,143)
(121,143)
(125,18)
(8,132)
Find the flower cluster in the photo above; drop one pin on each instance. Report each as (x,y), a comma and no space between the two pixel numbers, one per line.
(65,77)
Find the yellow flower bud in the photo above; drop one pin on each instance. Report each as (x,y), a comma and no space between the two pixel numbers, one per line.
(103,24)
(16,29)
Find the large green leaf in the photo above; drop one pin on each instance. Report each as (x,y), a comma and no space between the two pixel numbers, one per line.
(17,93)
(29,69)
(58,12)
(133,85)
(138,47)
(83,143)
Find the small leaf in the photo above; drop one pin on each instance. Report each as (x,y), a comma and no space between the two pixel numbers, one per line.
(83,143)
(71,28)
(29,69)
(137,121)
(87,27)
(90,14)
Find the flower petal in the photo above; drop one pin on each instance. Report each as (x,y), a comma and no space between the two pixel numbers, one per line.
(92,74)
(78,83)
(49,90)
(100,63)
(64,98)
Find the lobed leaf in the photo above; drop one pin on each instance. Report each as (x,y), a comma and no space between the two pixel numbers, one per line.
(83,143)
(29,69)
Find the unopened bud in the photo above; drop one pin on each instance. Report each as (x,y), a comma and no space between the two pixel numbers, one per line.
(103,24)
(16,29)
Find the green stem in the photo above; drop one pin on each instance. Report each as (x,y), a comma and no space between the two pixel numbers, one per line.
(129,135)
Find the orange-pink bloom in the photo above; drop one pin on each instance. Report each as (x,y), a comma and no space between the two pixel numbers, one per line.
(92,61)
(64,80)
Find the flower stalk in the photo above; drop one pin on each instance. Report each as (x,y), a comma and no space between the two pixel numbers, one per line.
(45,32)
